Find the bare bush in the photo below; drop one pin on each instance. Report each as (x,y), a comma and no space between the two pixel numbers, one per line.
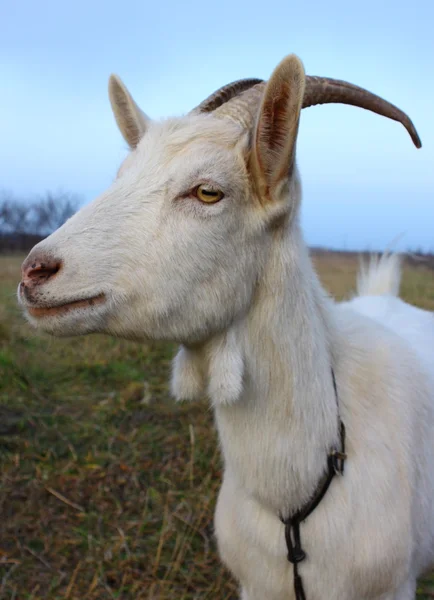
(24,222)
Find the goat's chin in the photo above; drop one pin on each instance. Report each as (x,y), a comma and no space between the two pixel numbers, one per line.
(154,329)
(80,322)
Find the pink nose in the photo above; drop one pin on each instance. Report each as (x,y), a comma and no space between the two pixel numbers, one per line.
(37,270)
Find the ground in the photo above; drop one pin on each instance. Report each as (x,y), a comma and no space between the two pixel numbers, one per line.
(108,487)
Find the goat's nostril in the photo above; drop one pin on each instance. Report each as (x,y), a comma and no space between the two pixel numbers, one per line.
(40,271)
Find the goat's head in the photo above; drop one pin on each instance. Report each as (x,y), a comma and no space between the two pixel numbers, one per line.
(174,248)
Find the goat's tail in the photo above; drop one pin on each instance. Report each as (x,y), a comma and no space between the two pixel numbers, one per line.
(381,276)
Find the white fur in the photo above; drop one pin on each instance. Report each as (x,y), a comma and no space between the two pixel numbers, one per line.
(381,276)
(225,369)
(259,335)
(188,377)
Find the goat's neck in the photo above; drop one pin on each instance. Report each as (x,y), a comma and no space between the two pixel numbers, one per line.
(269,378)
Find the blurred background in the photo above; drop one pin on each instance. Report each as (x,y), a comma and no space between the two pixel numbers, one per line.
(365,184)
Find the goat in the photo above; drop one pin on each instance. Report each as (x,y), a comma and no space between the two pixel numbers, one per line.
(198,241)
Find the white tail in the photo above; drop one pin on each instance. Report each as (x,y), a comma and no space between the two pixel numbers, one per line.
(381,276)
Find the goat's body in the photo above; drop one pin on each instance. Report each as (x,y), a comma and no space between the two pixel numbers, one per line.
(198,241)
(373,533)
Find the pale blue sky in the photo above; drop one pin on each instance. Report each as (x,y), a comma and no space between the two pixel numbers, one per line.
(364,181)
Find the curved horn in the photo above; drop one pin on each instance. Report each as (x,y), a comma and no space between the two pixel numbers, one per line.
(319,90)
(224,94)
(323,90)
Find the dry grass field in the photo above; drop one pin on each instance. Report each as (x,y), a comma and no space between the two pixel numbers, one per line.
(107,487)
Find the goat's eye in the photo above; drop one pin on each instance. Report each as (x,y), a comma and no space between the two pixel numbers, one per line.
(206,193)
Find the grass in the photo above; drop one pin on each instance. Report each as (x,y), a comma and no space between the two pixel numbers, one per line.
(107,487)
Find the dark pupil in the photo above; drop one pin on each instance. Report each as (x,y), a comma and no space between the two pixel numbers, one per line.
(208,193)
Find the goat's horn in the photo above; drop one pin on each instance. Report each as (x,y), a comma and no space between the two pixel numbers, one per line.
(224,94)
(323,90)
(318,90)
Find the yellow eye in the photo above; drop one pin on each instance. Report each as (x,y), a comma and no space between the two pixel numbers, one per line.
(206,193)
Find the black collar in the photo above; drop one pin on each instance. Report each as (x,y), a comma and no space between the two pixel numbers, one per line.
(335,465)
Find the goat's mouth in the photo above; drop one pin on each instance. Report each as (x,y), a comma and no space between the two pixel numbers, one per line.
(61,309)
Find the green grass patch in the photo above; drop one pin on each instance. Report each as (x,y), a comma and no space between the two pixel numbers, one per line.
(107,486)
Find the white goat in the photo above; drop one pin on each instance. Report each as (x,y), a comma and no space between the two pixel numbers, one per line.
(198,241)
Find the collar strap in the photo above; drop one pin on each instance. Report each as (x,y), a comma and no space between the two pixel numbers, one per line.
(335,465)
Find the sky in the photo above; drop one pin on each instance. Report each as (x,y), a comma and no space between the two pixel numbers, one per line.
(365,186)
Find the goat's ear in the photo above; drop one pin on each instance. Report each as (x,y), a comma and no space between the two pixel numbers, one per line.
(276,127)
(131,121)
